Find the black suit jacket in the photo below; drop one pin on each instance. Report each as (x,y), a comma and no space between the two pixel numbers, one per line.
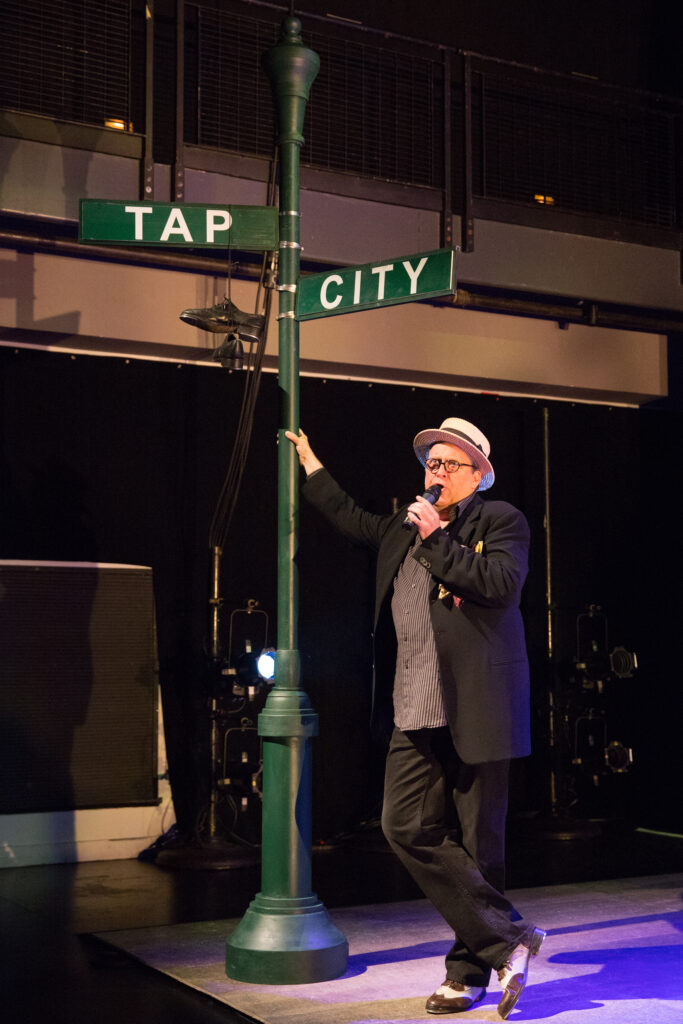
(474,608)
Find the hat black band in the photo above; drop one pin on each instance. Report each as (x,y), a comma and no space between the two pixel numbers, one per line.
(460,433)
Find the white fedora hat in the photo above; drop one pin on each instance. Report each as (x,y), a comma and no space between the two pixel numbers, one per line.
(466,436)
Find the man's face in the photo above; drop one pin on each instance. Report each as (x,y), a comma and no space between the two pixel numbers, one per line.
(456,486)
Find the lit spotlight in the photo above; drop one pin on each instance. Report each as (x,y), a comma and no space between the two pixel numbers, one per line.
(266,664)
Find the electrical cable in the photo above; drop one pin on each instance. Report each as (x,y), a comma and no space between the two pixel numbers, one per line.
(230,490)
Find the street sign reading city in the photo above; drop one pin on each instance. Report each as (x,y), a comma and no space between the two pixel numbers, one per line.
(387,283)
(190,224)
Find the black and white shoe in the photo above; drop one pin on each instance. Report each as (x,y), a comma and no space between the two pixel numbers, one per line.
(513,973)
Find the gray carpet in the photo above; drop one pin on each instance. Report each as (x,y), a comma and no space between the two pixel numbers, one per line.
(614,953)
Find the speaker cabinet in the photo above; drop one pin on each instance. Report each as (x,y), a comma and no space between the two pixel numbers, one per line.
(78,686)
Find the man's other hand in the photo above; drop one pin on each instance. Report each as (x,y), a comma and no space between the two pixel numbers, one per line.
(307,457)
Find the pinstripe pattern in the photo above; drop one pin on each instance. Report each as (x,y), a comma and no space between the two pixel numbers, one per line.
(418,698)
(418,703)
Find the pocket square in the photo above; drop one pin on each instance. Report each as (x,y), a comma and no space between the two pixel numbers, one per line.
(445,594)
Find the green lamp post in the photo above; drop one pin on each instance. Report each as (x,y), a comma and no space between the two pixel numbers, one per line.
(286,936)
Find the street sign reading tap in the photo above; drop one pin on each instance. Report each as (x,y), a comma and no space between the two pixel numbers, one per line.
(189,224)
(405,279)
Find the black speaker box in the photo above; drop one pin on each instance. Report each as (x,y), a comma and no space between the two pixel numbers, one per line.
(78,686)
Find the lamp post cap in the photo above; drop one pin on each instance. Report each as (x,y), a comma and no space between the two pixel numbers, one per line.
(291,30)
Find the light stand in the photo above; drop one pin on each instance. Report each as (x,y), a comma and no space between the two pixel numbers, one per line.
(587,751)
(211,851)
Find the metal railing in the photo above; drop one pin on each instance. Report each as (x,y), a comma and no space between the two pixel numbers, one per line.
(68,59)
(576,145)
(477,136)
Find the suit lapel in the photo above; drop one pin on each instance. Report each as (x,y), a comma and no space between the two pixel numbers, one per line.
(393,551)
(464,529)
(398,541)
(400,545)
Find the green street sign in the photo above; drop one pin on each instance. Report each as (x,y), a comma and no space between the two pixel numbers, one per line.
(187,224)
(404,279)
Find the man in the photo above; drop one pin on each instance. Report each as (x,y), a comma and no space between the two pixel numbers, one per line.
(449,650)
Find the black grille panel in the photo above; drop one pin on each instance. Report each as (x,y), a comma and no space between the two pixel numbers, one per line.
(376,112)
(376,108)
(69,61)
(234,104)
(372,111)
(582,151)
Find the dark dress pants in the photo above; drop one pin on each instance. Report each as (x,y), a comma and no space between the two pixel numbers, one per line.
(445,820)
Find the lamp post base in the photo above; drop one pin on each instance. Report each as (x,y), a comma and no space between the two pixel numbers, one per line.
(286,941)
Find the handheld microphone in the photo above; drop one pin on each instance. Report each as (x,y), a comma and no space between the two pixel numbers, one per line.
(431,495)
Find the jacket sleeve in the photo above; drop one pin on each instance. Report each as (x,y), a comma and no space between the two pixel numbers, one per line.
(491,577)
(341,511)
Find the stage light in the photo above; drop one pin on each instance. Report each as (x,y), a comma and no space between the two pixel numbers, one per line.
(252,670)
(623,663)
(544,200)
(266,664)
(618,758)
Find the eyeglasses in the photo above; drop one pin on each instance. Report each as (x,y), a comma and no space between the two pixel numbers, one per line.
(450,465)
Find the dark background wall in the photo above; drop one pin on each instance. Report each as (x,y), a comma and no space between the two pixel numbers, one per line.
(116,460)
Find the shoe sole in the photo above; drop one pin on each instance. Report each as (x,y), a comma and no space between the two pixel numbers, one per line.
(515,988)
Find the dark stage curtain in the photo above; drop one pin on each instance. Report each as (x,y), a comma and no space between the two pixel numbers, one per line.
(115,460)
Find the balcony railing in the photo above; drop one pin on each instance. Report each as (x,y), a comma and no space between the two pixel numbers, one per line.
(68,59)
(475,136)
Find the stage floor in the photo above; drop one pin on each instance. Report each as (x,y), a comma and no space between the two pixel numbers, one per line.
(614,953)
